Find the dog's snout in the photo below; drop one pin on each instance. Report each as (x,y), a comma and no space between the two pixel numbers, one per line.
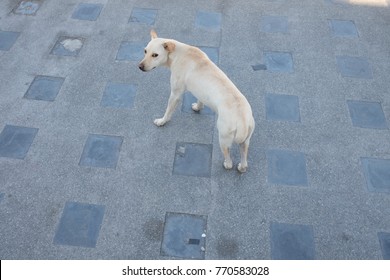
(141,67)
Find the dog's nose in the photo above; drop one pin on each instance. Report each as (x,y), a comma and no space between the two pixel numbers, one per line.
(141,66)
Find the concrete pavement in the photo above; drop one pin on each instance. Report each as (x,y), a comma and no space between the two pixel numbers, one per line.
(85,174)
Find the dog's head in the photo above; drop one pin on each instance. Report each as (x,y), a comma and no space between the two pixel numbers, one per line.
(156,52)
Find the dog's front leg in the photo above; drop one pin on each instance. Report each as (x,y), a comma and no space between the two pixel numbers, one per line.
(197,106)
(174,99)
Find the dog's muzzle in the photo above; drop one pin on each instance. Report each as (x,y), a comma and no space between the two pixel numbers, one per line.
(141,67)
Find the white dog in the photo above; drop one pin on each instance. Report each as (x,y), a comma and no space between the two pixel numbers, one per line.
(192,70)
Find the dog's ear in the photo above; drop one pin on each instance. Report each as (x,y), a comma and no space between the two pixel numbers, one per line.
(169,46)
(153,34)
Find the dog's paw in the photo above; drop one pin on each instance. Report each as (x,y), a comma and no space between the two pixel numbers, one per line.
(241,168)
(196,107)
(228,164)
(159,122)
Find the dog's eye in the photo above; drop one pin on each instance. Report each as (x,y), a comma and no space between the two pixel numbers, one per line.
(155,55)
(145,51)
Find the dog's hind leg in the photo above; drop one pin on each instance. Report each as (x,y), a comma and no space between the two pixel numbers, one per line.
(225,144)
(227,163)
(242,166)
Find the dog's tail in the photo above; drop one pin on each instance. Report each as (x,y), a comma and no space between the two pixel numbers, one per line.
(251,128)
(244,129)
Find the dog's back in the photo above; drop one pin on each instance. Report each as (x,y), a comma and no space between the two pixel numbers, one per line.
(213,88)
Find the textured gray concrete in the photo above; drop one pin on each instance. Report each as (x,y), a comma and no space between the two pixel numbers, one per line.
(54,206)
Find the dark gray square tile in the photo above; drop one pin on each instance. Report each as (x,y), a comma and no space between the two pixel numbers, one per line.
(292,242)
(212,53)
(286,168)
(274,24)
(188,99)
(384,240)
(339,2)
(354,67)
(44,88)
(140,15)
(343,28)
(101,151)
(367,114)
(184,236)
(193,159)
(79,225)
(67,46)
(208,21)
(27,7)
(279,62)
(87,11)
(8,39)
(119,95)
(132,51)
(377,174)
(282,107)
(258,67)
(15,141)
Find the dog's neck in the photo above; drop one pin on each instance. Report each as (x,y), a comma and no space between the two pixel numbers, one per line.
(172,56)
(169,61)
